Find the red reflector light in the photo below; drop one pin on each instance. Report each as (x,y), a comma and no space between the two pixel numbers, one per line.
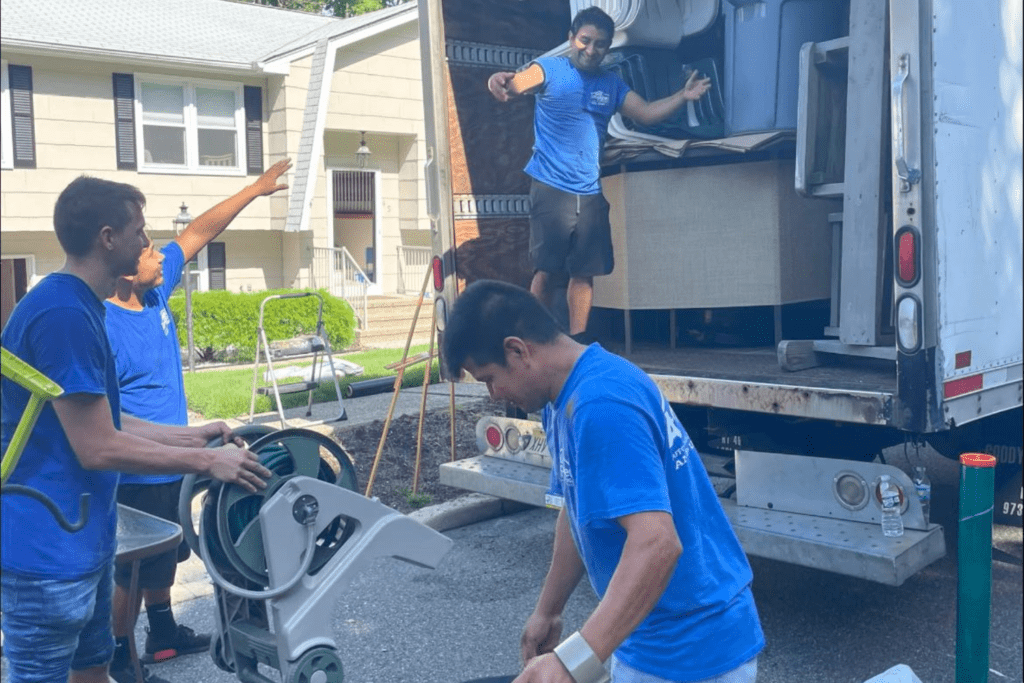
(493,437)
(963,360)
(964,385)
(438,269)
(906,249)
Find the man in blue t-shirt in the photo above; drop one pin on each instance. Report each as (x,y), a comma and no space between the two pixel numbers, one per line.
(640,516)
(570,235)
(57,585)
(148,360)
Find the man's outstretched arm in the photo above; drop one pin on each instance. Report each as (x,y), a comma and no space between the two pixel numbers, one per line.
(648,113)
(210,224)
(504,85)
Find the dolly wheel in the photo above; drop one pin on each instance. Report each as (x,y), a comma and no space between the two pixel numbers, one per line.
(317,665)
(217,654)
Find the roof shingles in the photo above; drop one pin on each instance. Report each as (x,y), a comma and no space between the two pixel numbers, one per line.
(197,30)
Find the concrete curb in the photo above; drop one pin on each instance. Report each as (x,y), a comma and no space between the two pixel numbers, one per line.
(468,509)
(194,583)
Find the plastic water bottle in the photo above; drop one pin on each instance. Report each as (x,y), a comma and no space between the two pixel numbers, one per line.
(892,522)
(923,485)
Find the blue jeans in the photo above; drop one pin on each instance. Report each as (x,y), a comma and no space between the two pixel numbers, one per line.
(623,673)
(52,625)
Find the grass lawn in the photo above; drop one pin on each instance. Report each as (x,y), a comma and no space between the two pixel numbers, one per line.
(220,394)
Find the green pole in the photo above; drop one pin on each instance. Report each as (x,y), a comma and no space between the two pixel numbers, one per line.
(974,561)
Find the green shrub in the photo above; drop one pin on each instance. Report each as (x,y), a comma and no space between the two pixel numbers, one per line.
(224,323)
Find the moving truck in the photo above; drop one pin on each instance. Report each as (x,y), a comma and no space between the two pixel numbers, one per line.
(818,261)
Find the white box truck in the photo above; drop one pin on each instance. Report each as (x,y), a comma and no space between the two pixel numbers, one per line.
(820,261)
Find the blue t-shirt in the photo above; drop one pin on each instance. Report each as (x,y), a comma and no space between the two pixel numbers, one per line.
(58,329)
(619,449)
(570,121)
(148,358)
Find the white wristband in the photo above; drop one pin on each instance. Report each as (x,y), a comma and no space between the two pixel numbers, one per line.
(579,659)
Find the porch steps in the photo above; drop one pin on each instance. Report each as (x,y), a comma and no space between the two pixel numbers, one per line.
(389,319)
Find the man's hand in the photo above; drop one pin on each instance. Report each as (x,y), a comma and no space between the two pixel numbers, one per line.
(540,636)
(267,183)
(208,432)
(544,669)
(498,85)
(239,466)
(695,89)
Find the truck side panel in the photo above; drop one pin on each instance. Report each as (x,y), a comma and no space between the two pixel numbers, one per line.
(976,122)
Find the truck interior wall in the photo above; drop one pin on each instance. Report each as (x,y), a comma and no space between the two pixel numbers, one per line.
(490,141)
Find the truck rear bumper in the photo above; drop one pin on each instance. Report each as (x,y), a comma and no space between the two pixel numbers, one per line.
(842,546)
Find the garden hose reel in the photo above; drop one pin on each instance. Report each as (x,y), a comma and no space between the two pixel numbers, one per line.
(278,557)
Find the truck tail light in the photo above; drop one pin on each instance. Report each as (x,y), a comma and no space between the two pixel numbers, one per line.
(437,267)
(907,256)
(908,324)
(494,436)
(440,314)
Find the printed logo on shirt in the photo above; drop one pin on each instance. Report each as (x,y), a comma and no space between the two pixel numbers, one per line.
(165,321)
(678,441)
(600,98)
(564,474)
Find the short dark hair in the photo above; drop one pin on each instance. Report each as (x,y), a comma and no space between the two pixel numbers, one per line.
(484,315)
(593,16)
(88,204)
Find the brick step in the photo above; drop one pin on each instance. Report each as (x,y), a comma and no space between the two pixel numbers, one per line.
(388,341)
(398,302)
(391,330)
(374,321)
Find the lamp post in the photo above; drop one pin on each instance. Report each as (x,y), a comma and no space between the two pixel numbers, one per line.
(363,153)
(181,222)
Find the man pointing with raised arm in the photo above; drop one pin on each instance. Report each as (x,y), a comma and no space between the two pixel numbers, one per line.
(570,235)
(148,360)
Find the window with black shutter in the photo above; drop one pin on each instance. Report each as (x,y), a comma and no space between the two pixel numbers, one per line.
(124,121)
(217,264)
(254,129)
(23,132)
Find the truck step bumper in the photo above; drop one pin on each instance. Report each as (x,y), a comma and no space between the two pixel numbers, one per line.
(499,477)
(841,546)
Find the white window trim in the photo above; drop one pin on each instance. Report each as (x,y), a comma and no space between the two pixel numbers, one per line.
(191,166)
(6,130)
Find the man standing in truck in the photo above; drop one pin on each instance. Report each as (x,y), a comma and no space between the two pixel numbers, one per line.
(147,355)
(640,516)
(575,98)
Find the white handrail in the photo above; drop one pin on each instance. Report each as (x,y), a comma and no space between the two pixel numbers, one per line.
(335,270)
(411,261)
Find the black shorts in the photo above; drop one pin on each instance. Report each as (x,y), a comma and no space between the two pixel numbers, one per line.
(569,233)
(160,500)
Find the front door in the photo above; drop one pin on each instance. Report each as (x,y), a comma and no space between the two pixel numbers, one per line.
(354,197)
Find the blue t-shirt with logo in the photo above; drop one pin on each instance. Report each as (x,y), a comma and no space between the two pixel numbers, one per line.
(570,121)
(58,329)
(619,449)
(148,358)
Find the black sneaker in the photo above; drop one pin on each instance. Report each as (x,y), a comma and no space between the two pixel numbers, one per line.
(182,641)
(124,672)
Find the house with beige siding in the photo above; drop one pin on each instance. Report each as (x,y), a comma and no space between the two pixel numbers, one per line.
(190,100)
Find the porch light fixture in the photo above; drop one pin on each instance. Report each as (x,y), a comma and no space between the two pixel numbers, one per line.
(363,153)
(181,222)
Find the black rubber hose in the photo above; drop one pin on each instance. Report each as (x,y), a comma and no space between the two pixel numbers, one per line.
(83,505)
(368,387)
